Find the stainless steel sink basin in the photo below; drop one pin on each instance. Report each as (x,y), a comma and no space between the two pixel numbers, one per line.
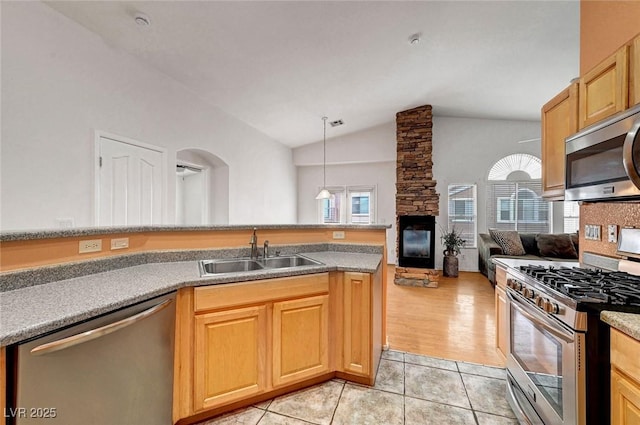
(236,265)
(289,261)
(209,267)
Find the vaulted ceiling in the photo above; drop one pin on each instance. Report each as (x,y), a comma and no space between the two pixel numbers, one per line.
(280,66)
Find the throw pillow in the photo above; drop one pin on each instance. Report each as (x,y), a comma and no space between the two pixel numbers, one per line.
(557,246)
(509,241)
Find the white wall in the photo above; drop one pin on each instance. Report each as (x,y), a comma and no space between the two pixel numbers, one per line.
(463,152)
(61,82)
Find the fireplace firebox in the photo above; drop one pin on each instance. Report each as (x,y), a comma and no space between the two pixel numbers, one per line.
(416,235)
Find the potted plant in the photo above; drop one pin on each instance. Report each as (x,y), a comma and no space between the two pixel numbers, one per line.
(452,241)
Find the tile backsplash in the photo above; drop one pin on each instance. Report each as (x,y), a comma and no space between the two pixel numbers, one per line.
(603,214)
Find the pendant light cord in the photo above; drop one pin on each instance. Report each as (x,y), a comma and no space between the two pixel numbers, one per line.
(324,153)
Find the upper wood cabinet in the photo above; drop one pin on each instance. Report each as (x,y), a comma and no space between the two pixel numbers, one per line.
(634,72)
(625,379)
(559,121)
(604,89)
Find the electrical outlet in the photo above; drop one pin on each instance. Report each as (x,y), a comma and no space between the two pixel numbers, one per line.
(612,233)
(119,243)
(93,245)
(592,232)
(338,235)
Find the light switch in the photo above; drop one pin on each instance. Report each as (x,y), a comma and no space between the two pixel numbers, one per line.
(612,233)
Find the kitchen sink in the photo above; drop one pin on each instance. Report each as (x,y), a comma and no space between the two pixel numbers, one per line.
(289,261)
(210,267)
(237,265)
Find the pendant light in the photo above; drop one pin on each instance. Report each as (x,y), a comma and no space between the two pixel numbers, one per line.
(324,193)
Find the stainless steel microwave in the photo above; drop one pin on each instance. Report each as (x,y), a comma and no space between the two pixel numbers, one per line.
(603,160)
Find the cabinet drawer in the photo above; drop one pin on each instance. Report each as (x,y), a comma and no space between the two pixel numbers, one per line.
(259,291)
(625,352)
(501,277)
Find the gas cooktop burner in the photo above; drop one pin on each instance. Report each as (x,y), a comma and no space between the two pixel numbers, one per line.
(587,285)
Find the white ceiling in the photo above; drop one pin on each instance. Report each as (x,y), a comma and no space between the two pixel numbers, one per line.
(281,66)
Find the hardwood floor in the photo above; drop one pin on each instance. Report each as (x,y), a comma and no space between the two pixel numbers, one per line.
(454,321)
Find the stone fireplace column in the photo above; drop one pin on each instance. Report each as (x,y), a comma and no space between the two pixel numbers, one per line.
(416,195)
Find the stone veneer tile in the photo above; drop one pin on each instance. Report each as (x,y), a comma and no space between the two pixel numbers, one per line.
(487,394)
(439,385)
(390,376)
(315,404)
(361,405)
(422,412)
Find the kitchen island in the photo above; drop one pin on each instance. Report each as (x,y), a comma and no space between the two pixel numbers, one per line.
(311,323)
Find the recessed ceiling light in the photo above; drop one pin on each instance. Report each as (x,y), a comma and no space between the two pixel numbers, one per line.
(142,19)
(415,38)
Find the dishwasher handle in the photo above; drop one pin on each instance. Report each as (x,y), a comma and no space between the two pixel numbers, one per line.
(70,341)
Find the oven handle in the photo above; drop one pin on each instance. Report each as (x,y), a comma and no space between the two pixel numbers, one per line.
(549,326)
(632,138)
(520,414)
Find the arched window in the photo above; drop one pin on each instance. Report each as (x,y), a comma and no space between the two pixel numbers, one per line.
(514,199)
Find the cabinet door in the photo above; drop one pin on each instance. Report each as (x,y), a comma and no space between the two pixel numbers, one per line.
(634,72)
(357,323)
(300,339)
(501,320)
(625,400)
(604,89)
(230,352)
(559,121)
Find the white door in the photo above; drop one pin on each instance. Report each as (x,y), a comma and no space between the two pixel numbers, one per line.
(130,183)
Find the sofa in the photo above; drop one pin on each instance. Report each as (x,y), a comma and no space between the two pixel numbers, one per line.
(534,246)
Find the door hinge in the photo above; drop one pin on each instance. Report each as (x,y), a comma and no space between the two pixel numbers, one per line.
(100,161)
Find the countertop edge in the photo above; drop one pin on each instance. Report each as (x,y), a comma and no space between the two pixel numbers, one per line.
(628,323)
(19,235)
(66,312)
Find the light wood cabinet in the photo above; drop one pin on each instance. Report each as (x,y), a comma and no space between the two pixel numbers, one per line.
(634,72)
(604,89)
(559,121)
(357,323)
(300,339)
(230,355)
(501,312)
(625,379)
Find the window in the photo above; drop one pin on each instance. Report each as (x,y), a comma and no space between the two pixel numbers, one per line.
(348,204)
(514,198)
(571,217)
(462,211)
(361,202)
(332,210)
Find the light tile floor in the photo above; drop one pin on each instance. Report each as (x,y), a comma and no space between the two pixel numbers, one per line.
(410,390)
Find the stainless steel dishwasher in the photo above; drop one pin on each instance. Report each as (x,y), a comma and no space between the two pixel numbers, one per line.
(115,369)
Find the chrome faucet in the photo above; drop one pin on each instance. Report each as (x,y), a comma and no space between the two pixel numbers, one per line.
(265,251)
(254,244)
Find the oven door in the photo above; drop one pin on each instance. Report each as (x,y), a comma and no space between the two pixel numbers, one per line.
(545,361)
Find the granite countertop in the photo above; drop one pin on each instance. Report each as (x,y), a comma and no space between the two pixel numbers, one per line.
(627,323)
(34,310)
(30,234)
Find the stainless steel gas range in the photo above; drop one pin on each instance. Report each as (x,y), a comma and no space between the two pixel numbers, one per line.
(558,356)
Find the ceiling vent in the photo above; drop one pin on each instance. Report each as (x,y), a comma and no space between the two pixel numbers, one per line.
(336,123)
